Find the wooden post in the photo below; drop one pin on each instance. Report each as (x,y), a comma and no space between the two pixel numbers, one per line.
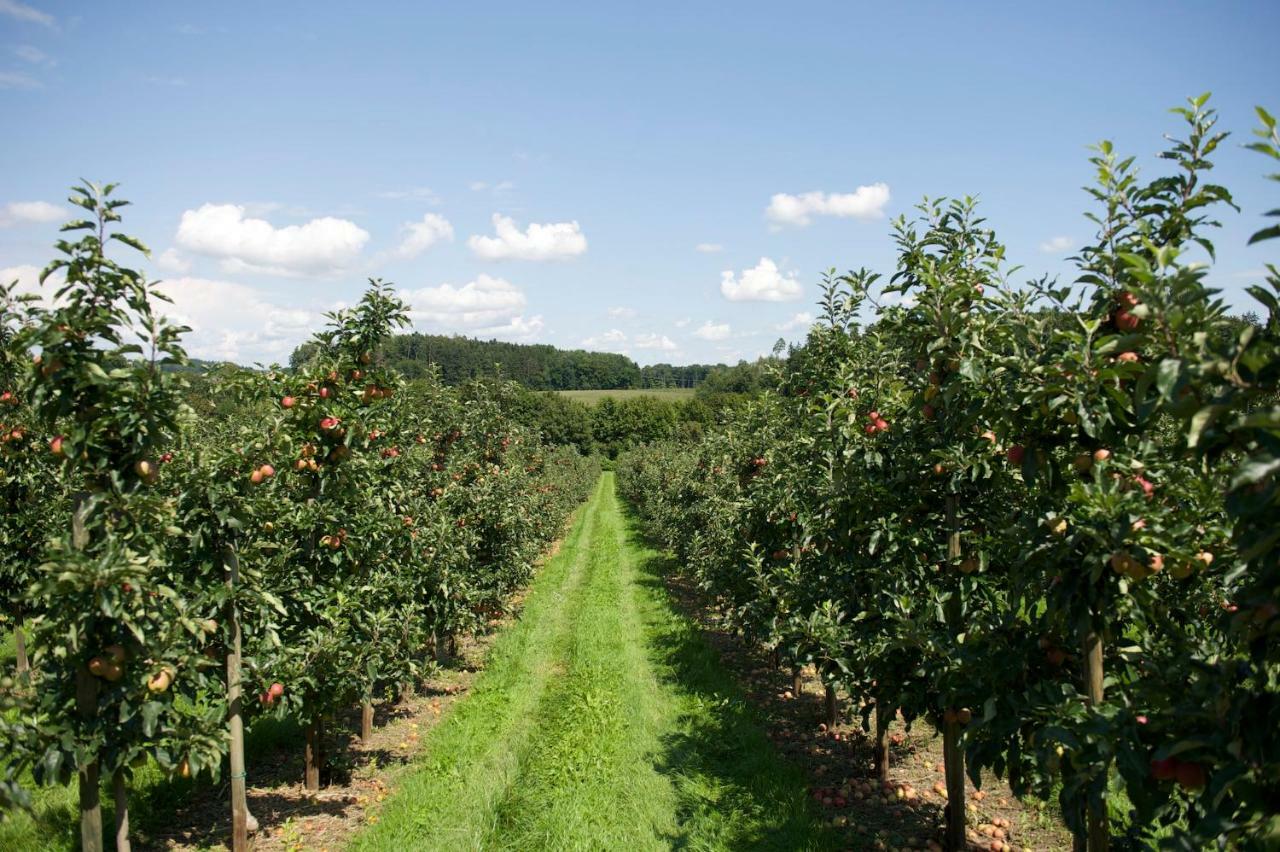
(312,757)
(120,791)
(831,707)
(1099,831)
(952,753)
(880,754)
(235,719)
(87,708)
(366,722)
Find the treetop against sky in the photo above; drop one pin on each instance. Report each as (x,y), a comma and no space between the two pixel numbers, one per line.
(664,180)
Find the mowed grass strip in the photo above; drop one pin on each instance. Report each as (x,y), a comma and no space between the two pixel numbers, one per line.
(474,755)
(605,723)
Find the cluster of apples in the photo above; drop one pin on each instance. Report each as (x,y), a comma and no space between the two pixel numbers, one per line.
(877,424)
(261,474)
(273,694)
(110,664)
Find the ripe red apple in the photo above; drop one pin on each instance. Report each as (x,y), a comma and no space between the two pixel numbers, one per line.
(1148,487)
(1128,358)
(882,425)
(928,411)
(1125,299)
(328,424)
(1126,321)
(324,392)
(267,471)
(873,416)
(256,476)
(55,446)
(1016,454)
(1101,455)
(1191,776)
(287,402)
(276,690)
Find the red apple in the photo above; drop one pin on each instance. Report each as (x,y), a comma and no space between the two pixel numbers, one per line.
(55,446)
(267,471)
(1191,776)
(287,402)
(276,690)
(1016,454)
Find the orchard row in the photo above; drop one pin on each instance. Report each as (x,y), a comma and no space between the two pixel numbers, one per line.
(1040,519)
(181,555)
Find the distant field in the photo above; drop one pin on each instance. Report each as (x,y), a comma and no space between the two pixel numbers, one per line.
(591,397)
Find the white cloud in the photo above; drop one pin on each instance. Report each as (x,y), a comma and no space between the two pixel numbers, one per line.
(1056,245)
(486,303)
(538,242)
(171,261)
(622,313)
(30,212)
(802,320)
(34,55)
(709,248)
(713,331)
(420,236)
(224,231)
(234,322)
(656,341)
(27,276)
(613,340)
(763,283)
(517,328)
(23,12)
(681,323)
(12,80)
(417,193)
(865,203)
(500,188)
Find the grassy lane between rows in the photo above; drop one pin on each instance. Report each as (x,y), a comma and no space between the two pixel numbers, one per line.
(602,721)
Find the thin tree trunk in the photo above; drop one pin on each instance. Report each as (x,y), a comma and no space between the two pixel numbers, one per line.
(312,757)
(1099,832)
(880,754)
(87,708)
(797,681)
(952,753)
(831,706)
(366,722)
(120,791)
(239,797)
(953,760)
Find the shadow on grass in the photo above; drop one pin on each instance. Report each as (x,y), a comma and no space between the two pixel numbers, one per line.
(734,791)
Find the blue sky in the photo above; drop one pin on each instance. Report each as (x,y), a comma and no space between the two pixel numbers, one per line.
(663,179)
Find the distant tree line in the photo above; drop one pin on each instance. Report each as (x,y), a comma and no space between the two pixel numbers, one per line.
(536,366)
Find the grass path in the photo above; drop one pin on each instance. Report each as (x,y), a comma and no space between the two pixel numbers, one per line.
(602,721)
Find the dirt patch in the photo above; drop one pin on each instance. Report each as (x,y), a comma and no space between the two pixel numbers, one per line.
(905,814)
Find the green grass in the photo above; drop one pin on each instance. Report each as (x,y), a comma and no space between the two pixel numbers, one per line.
(602,721)
(592,397)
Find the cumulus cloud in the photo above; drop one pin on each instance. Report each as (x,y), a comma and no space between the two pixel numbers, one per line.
(656,341)
(517,328)
(622,313)
(762,283)
(234,322)
(30,212)
(485,303)
(1057,245)
(27,277)
(713,331)
(225,231)
(709,248)
(538,242)
(172,262)
(22,12)
(613,340)
(864,203)
(12,80)
(416,193)
(420,236)
(802,320)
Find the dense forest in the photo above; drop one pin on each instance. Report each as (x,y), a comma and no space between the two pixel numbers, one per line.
(536,366)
